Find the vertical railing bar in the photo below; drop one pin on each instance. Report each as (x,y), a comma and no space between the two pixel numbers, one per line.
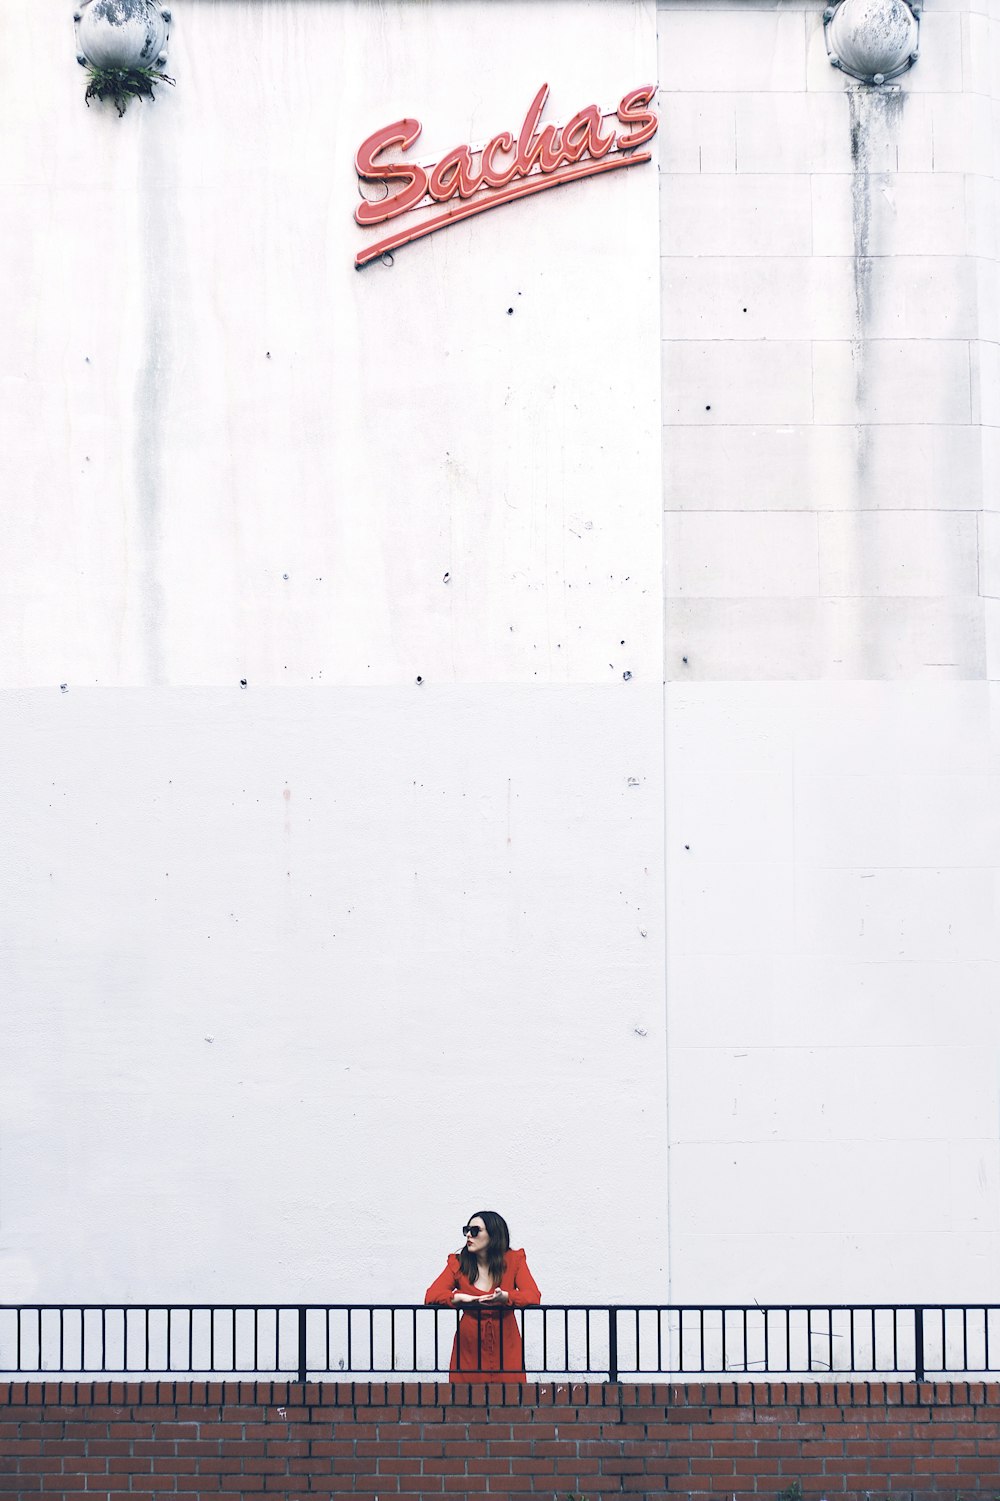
(659,1341)
(986,1337)
(612,1345)
(829,1330)
(680,1340)
(302,1371)
(545,1340)
(788,1339)
(722,1319)
(965,1339)
(350,1333)
(918,1344)
(851,1312)
(392,1339)
(371,1341)
(746,1352)
(895,1340)
(590,1360)
(766,1316)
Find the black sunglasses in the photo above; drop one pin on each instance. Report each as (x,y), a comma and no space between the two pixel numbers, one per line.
(473,1230)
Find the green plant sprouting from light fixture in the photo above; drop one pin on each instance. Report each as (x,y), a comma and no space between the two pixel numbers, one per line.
(122,84)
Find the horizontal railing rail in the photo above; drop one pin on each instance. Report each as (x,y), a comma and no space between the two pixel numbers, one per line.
(595,1342)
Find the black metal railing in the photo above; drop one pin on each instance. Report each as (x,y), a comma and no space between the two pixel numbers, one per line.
(587,1342)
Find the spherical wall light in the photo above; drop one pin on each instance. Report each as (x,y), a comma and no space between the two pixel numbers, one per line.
(122,44)
(872,40)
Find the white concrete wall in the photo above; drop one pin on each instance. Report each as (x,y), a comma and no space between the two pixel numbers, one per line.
(833,820)
(296,977)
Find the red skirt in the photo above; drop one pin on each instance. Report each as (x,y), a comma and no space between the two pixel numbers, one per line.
(488,1347)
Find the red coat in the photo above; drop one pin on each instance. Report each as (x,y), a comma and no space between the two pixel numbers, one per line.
(487,1343)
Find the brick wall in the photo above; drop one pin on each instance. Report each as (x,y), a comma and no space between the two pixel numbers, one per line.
(187,1440)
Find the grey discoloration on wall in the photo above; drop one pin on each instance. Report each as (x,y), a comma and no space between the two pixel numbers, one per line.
(875,116)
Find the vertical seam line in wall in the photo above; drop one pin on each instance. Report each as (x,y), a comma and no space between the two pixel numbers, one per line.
(664,606)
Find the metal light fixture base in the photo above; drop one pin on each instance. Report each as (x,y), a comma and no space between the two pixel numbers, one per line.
(873,41)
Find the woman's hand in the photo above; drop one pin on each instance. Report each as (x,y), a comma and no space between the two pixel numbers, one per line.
(496,1296)
(463,1298)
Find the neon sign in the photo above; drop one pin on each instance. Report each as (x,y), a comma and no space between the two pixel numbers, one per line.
(506,168)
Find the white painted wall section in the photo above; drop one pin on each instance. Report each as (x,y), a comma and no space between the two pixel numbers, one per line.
(833,818)
(298,976)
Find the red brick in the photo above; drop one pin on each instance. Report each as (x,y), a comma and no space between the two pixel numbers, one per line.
(741,1448)
(800,1466)
(980,1465)
(714,1466)
(933,1464)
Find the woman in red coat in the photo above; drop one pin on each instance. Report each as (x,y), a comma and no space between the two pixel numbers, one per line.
(488,1280)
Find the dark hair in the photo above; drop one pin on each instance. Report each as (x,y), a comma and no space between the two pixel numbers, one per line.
(496,1256)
